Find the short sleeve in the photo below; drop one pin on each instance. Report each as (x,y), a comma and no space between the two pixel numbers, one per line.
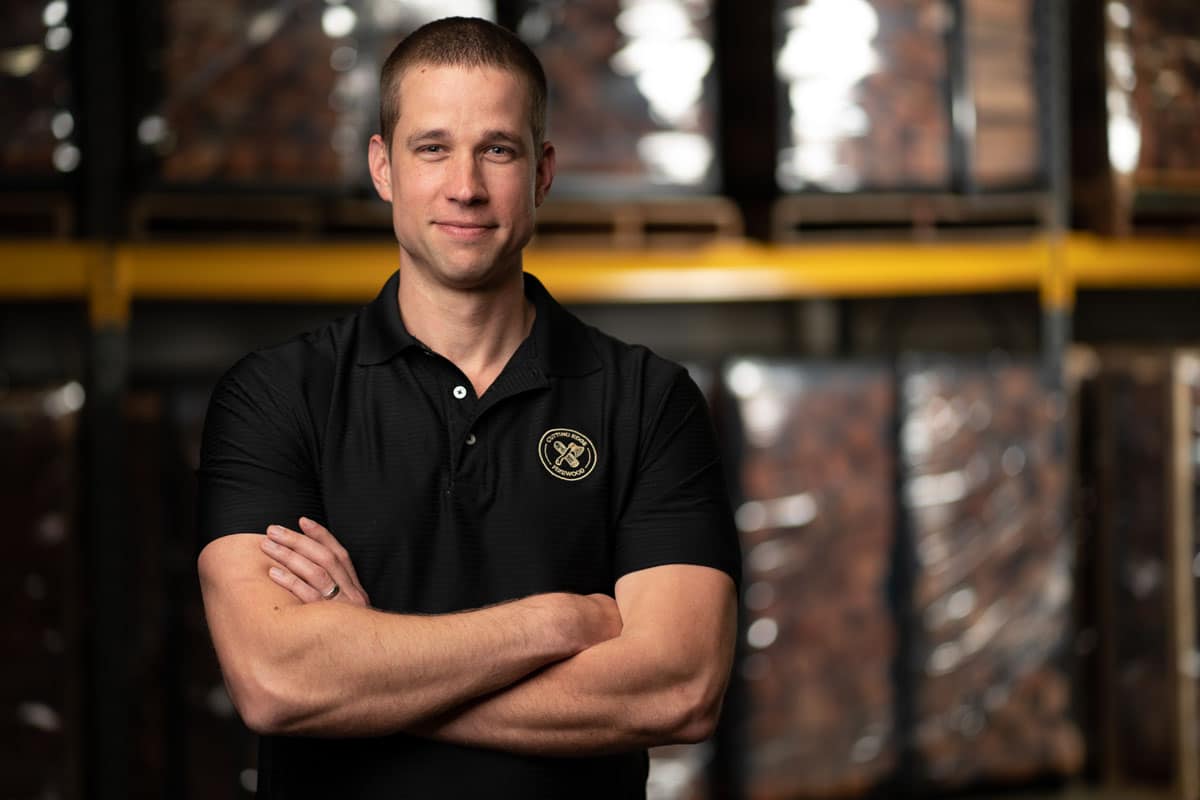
(256,465)
(678,509)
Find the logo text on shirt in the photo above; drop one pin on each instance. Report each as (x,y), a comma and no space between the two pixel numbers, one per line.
(567,454)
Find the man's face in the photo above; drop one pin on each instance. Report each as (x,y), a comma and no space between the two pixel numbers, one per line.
(463,175)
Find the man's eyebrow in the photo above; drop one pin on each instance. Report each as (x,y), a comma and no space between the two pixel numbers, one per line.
(508,137)
(423,136)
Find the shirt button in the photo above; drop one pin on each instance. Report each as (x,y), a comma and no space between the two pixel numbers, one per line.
(470,438)
(460,392)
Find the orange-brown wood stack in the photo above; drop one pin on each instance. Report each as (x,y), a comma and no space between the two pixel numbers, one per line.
(1142,481)
(1001,71)
(41,695)
(984,487)
(34,86)
(242,110)
(816,526)
(1164,37)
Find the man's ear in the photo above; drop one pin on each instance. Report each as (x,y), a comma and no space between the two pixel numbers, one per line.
(380,166)
(545,174)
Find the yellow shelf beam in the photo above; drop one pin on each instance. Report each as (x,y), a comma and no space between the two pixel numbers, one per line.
(329,272)
(47,270)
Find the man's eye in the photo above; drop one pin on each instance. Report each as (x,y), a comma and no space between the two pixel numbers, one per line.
(431,148)
(500,150)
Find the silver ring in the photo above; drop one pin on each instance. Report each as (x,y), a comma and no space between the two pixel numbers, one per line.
(332,593)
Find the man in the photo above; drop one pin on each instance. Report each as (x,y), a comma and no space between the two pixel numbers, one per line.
(513,566)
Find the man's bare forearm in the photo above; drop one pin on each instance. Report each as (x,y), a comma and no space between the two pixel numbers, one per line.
(653,685)
(334,669)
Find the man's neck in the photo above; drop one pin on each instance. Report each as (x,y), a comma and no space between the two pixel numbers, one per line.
(477,331)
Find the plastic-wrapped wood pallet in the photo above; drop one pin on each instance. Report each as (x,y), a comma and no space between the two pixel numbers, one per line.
(1137,162)
(41,695)
(984,482)
(35,92)
(1142,478)
(632,93)
(816,523)
(863,95)
(282,93)
(1001,70)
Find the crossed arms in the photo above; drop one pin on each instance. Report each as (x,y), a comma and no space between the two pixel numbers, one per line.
(550,674)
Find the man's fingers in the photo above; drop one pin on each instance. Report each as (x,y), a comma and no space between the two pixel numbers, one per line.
(308,561)
(313,562)
(303,592)
(318,532)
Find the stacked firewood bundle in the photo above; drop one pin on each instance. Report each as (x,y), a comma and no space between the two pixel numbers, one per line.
(1141,477)
(984,487)
(248,93)
(1001,41)
(816,524)
(874,118)
(631,92)
(41,695)
(34,87)
(1164,39)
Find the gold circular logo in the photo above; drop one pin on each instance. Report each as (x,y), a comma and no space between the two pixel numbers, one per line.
(567,454)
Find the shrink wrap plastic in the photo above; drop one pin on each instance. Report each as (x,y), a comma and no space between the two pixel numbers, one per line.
(632,93)
(37,126)
(1145,470)
(816,526)
(41,695)
(282,92)
(984,493)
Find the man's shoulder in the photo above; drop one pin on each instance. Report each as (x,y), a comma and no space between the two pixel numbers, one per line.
(634,361)
(307,359)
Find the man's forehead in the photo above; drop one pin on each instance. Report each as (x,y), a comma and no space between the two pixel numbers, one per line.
(491,89)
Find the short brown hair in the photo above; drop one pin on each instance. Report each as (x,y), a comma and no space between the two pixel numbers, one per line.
(461,42)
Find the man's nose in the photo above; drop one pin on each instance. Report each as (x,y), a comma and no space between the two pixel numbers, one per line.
(465,183)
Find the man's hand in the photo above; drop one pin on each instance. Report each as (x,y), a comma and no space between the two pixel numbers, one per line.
(310,565)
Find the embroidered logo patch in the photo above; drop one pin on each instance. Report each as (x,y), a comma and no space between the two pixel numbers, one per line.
(567,454)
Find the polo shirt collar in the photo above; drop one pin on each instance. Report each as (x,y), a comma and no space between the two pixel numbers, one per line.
(381,331)
(561,343)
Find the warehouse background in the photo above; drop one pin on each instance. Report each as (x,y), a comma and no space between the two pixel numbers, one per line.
(936,264)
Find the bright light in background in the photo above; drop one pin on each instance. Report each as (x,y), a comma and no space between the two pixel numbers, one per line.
(65,157)
(827,50)
(675,156)
(264,25)
(152,129)
(62,124)
(1118,14)
(665,56)
(668,60)
(343,58)
(1124,133)
(412,13)
(338,21)
(21,62)
(66,400)
(58,38)
(54,13)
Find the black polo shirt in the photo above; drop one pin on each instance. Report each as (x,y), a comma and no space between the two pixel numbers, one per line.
(585,460)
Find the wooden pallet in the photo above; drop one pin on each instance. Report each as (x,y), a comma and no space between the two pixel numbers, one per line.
(572,223)
(916,216)
(1174,377)
(628,224)
(38,214)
